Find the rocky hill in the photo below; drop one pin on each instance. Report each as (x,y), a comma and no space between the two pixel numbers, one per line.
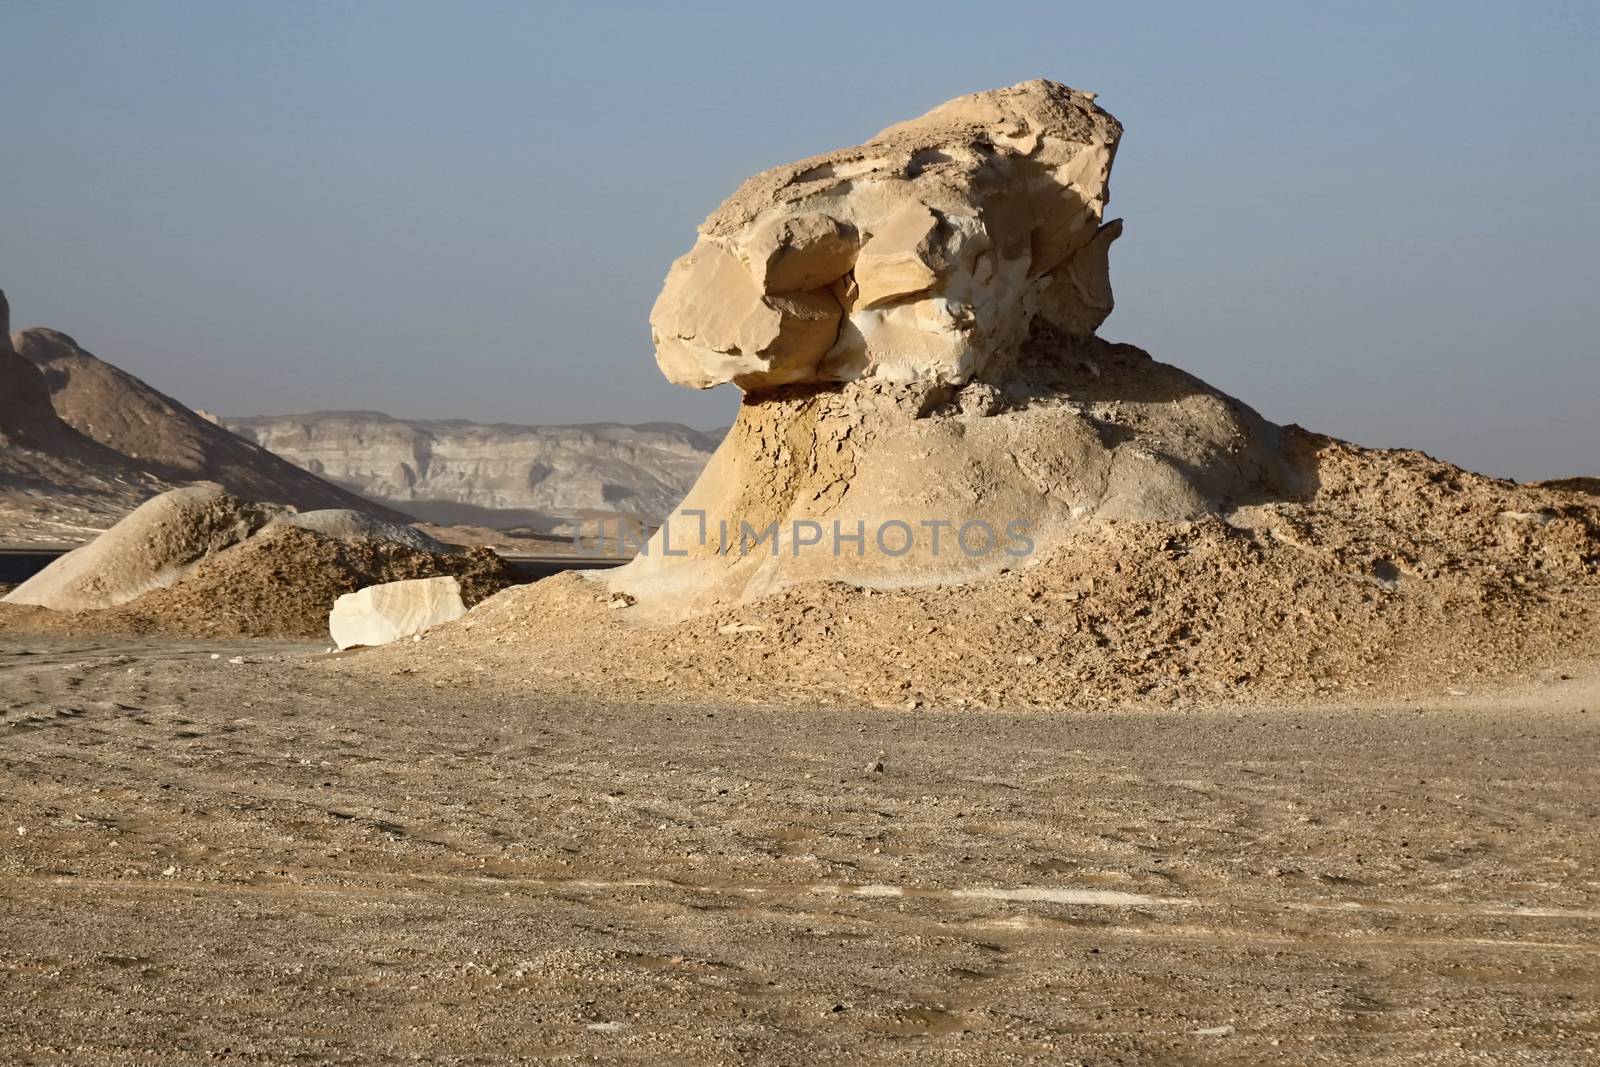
(497,475)
(85,443)
(56,485)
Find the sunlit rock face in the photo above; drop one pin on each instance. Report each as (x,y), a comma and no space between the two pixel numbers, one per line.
(913,324)
(383,613)
(924,255)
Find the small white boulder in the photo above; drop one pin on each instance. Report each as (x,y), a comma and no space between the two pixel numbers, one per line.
(379,614)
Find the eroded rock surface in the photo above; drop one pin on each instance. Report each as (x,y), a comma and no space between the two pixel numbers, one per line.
(380,614)
(923,255)
(159,543)
(962,417)
(455,471)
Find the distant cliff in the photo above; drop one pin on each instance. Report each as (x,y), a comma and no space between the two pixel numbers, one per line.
(497,475)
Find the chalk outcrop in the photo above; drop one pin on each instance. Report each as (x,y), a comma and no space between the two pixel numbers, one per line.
(160,542)
(345,524)
(380,614)
(913,324)
(967,498)
(924,254)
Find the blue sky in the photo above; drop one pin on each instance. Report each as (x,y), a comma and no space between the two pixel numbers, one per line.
(1377,220)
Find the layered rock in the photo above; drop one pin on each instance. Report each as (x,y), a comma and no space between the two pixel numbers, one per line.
(963,418)
(499,475)
(923,255)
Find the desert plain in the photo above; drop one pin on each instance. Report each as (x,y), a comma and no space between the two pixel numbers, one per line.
(248,852)
(1270,748)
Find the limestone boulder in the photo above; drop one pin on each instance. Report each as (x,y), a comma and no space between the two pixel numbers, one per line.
(964,420)
(923,255)
(380,614)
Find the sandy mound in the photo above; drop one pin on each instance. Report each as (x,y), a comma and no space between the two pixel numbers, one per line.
(342,522)
(1113,530)
(883,485)
(282,582)
(1398,575)
(199,561)
(285,581)
(155,546)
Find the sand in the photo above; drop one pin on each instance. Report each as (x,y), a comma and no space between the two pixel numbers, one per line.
(284,860)
(1398,575)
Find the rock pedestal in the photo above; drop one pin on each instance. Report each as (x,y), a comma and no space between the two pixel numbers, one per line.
(912,321)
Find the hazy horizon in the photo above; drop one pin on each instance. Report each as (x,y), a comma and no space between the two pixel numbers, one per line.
(1375,221)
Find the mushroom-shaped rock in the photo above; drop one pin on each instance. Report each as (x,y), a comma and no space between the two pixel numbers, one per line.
(380,614)
(923,255)
(913,323)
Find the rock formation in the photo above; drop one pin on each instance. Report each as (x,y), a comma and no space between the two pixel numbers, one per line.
(498,475)
(161,541)
(967,499)
(380,614)
(199,561)
(923,255)
(912,322)
(347,524)
(25,412)
(82,444)
(157,434)
(56,485)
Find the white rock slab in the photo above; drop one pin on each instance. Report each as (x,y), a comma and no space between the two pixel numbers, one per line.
(379,614)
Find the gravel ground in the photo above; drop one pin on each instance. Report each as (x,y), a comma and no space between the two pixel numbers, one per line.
(279,861)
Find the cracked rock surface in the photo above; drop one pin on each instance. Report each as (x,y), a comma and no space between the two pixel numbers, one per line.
(913,323)
(921,256)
